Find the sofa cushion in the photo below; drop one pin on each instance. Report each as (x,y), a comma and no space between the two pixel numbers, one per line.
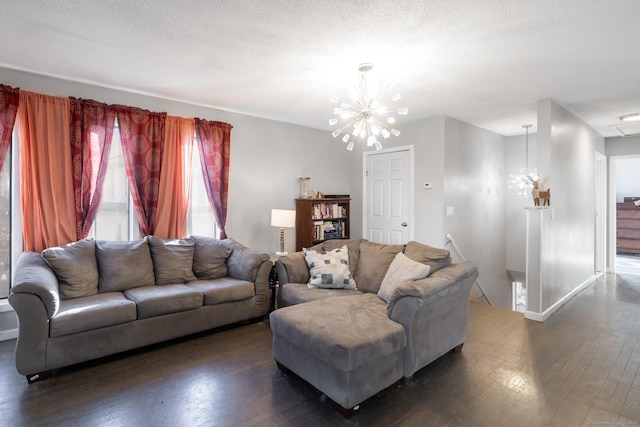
(124,265)
(172,260)
(329,269)
(325,329)
(154,301)
(227,289)
(75,267)
(401,270)
(295,266)
(210,257)
(92,312)
(435,258)
(375,259)
(298,293)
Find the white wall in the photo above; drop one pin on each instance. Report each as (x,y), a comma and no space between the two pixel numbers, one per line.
(515,149)
(566,147)
(475,186)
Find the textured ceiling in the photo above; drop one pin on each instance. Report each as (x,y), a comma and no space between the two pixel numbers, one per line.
(484,62)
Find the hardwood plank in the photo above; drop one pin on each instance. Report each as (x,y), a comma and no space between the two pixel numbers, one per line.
(580,367)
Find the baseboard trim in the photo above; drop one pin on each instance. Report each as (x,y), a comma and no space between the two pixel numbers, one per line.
(9,334)
(541,317)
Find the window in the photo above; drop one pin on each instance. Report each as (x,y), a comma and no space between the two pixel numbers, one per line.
(116,217)
(113,221)
(201,221)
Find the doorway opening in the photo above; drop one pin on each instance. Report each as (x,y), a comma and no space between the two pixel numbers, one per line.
(626,171)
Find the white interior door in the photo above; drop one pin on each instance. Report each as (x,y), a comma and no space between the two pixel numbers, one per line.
(387,201)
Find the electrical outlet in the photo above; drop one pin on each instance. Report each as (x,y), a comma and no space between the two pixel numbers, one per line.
(450,211)
(426,185)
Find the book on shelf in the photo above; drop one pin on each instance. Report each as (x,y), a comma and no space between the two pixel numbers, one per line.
(325,230)
(328,210)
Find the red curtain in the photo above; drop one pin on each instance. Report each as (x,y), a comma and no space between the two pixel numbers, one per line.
(9,98)
(214,143)
(142,135)
(91,133)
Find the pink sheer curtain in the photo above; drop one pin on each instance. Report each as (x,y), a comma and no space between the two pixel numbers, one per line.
(91,134)
(142,137)
(214,143)
(46,181)
(9,98)
(175,179)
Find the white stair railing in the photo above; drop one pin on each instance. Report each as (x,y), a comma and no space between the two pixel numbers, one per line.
(456,249)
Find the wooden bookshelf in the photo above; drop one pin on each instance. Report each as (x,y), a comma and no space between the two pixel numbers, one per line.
(322,219)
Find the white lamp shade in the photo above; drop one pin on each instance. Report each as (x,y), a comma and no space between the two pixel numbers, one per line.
(283,218)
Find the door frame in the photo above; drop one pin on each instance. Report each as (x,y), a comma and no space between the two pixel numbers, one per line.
(600,210)
(411,192)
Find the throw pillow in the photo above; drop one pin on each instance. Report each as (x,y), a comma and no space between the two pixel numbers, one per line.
(75,266)
(124,265)
(436,258)
(375,259)
(172,260)
(210,257)
(329,269)
(401,270)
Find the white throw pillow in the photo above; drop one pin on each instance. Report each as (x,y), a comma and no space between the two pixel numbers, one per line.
(329,269)
(401,270)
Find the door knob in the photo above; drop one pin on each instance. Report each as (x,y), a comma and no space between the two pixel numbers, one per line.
(404,224)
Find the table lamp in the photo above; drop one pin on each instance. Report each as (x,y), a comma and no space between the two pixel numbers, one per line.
(283,218)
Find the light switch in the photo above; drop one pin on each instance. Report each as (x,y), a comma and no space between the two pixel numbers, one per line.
(450,211)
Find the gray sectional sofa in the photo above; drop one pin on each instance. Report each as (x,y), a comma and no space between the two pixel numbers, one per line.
(90,299)
(351,343)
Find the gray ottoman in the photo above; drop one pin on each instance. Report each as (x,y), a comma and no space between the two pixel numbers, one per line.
(346,347)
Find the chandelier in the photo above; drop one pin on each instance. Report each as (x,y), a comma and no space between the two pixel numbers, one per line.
(524,180)
(363,117)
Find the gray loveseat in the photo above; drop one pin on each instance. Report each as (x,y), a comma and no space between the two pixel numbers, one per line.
(352,343)
(90,299)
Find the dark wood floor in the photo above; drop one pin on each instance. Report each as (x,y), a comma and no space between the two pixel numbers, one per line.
(579,368)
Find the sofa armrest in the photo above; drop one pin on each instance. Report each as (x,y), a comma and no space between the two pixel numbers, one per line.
(292,268)
(33,276)
(434,313)
(448,280)
(243,263)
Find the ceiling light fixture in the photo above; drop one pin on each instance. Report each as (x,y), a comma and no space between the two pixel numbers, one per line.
(523,181)
(630,117)
(363,117)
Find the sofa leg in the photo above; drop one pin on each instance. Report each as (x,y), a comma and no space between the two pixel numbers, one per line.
(458,348)
(345,412)
(283,368)
(40,376)
(394,386)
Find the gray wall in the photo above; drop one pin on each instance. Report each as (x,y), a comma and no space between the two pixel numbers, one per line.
(566,163)
(267,157)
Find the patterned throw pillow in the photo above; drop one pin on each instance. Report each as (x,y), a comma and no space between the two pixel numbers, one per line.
(329,269)
(401,270)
